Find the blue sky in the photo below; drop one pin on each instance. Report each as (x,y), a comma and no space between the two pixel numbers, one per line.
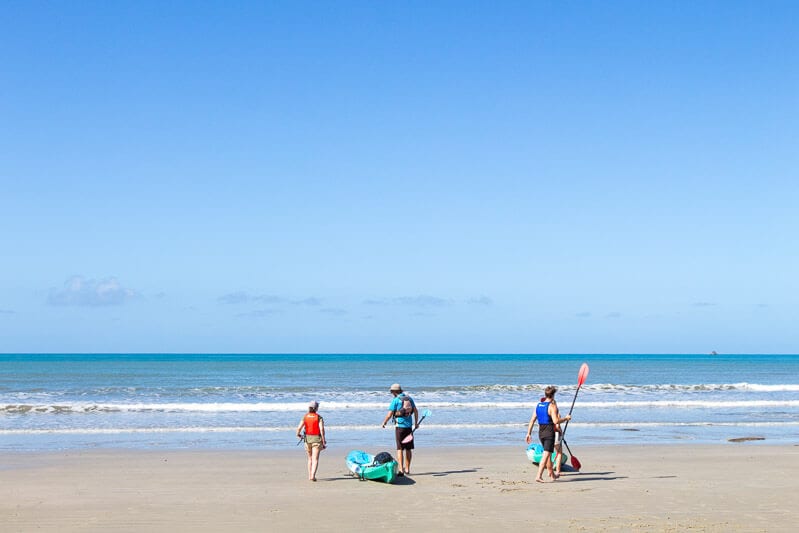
(399,177)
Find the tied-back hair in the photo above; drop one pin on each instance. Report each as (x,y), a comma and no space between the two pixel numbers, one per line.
(550,391)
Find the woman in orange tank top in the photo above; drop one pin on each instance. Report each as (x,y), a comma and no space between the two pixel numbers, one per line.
(312,429)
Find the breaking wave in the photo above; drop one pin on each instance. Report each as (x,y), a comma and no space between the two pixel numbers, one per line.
(99,408)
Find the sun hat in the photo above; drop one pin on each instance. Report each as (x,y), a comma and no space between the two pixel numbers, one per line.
(313,405)
(395,388)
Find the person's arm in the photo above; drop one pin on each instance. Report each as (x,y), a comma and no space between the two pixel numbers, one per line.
(529,437)
(554,414)
(415,416)
(553,406)
(390,412)
(322,431)
(299,428)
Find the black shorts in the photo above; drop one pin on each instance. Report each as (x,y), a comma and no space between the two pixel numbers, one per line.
(546,433)
(401,433)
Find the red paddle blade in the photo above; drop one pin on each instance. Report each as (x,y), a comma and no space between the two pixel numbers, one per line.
(576,464)
(582,375)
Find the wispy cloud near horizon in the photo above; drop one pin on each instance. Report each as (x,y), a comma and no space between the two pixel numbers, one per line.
(258,313)
(422,300)
(482,300)
(243,297)
(79,291)
(334,311)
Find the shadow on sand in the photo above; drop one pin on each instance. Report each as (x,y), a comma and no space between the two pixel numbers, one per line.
(446,472)
(591,476)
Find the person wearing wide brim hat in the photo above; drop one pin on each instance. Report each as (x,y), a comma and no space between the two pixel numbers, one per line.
(406,416)
(312,430)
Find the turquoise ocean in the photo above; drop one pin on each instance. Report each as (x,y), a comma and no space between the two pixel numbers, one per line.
(205,401)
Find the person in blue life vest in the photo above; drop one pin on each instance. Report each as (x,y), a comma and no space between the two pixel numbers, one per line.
(548,417)
(558,445)
(312,430)
(406,418)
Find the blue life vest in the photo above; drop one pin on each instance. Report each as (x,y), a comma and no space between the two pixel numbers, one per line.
(542,412)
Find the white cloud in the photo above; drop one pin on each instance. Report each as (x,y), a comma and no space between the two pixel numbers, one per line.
(234,298)
(79,291)
(258,313)
(423,300)
(242,297)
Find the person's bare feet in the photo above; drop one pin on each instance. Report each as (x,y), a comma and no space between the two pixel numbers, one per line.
(539,480)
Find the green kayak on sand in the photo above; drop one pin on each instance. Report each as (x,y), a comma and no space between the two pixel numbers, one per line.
(536,451)
(364,466)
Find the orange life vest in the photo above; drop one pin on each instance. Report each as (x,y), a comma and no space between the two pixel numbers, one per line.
(311,421)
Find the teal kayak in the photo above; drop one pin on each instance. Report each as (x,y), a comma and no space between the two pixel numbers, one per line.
(536,451)
(363,465)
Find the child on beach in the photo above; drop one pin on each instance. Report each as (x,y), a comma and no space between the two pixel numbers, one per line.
(548,417)
(312,429)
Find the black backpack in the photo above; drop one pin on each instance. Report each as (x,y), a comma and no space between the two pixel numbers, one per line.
(383,458)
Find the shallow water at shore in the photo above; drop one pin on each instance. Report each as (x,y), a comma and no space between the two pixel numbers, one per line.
(254,401)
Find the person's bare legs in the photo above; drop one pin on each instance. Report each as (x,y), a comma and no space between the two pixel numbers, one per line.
(558,459)
(550,470)
(541,466)
(314,462)
(408,456)
(401,461)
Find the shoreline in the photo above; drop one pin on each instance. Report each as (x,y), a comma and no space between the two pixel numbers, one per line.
(745,486)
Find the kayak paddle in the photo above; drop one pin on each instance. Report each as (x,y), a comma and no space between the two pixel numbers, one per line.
(575,462)
(580,380)
(409,438)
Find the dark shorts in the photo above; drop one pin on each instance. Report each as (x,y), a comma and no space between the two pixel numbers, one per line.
(546,434)
(400,434)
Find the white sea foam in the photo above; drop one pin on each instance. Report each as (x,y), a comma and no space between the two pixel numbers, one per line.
(637,388)
(80,407)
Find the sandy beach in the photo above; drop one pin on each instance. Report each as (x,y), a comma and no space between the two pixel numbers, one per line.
(727,487)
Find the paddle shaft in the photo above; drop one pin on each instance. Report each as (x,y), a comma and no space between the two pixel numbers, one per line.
(562,433)
(409,438)
(581,376)
(567,447)
(575,462)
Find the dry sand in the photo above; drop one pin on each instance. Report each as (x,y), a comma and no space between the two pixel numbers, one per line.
(727,487)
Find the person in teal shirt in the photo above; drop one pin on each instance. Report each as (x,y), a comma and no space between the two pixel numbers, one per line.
(406,417)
